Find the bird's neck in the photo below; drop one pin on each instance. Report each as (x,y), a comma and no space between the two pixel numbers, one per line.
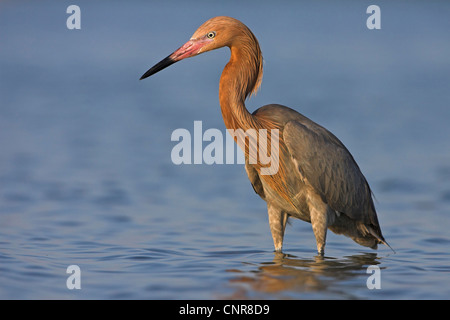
(240,77)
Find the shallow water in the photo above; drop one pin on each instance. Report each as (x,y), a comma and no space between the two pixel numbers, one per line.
(86,176)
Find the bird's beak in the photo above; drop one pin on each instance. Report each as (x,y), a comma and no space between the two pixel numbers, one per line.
(189,49)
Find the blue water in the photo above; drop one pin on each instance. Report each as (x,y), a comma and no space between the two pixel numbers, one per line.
(86,176)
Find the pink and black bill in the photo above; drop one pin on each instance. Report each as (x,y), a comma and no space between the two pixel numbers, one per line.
(189,49)
(158,67)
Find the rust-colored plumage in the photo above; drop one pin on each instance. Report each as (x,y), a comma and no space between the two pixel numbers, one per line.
(241,78)
(317,180)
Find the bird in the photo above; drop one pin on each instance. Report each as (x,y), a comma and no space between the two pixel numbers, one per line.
(318,180)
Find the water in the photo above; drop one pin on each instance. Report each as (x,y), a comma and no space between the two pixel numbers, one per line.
(86,176)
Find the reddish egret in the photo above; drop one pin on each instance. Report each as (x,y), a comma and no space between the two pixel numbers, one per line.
(318,180)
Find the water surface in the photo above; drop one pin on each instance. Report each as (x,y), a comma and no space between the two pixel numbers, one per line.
(86,176)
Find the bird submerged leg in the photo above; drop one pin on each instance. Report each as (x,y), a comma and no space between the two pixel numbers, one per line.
(277,222)
(321,218)
(319,225)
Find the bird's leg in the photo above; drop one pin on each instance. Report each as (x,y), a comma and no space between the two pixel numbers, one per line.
(277,222)
(319,221)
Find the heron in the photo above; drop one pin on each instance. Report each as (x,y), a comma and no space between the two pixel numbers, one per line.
(318,180)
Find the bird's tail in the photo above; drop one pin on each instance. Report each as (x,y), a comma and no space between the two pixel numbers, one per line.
(366,235)
(380,238)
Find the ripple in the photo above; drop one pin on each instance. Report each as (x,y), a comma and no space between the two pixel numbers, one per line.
(438,240)
(141,257)
(400,185)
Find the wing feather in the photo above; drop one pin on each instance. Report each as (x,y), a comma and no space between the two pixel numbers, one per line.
(329,168)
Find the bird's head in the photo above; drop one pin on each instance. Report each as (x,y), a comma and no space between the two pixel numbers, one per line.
(215,33)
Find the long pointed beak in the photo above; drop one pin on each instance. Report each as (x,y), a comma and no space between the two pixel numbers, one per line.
(189,49)
(158,67)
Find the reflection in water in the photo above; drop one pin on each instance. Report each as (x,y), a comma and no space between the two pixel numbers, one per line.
(289,274)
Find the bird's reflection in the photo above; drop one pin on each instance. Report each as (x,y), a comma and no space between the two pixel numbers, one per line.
(287,274)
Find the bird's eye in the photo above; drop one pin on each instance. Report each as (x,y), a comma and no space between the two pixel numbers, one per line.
(211,35)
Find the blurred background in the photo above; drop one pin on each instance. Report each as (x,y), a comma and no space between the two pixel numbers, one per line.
(86,176)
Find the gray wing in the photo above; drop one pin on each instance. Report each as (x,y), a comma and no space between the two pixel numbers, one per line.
(329,168)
